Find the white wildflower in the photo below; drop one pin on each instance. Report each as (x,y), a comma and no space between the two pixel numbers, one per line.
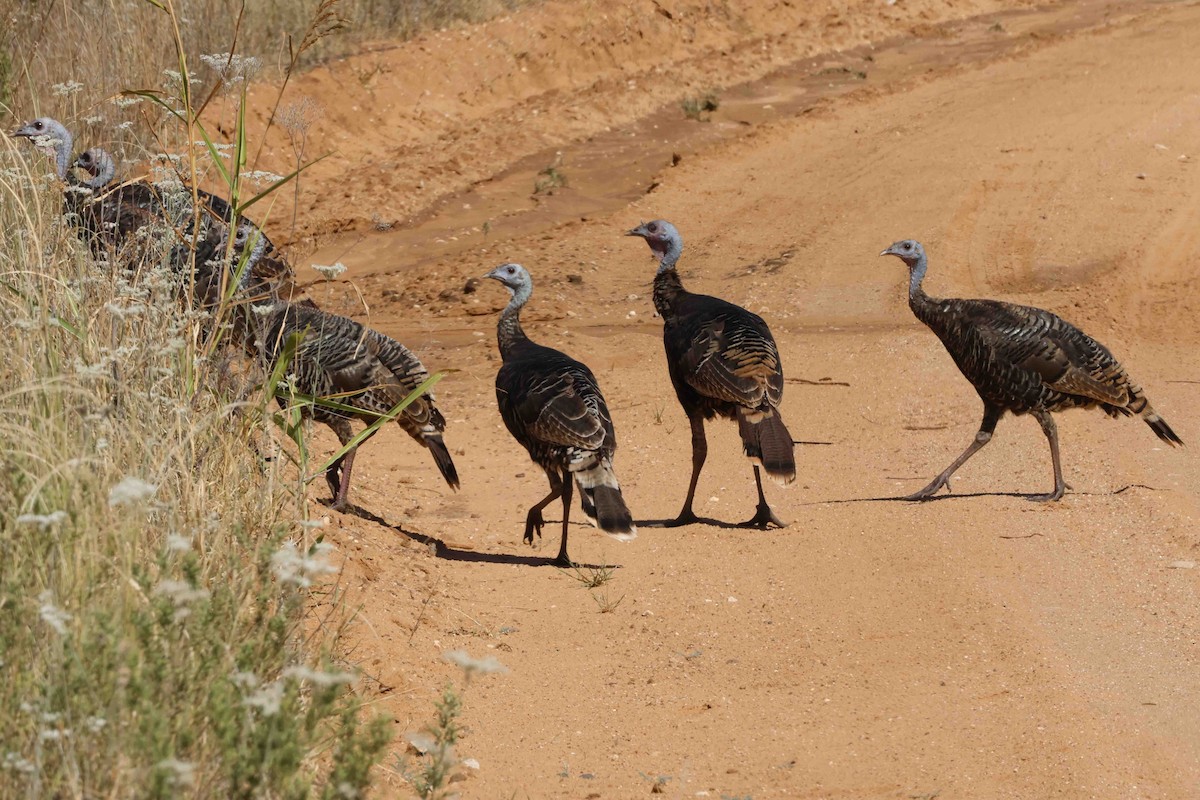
(52,735)
(101,444)
(268,699)
(182,594)
(124,126)
(130,490)
(50,717)
(66,89)
(472,665)
(51,614)
(18,763)
(99,370)
(318,677)
(291,567)
(125,101)
(43,521)
(178,544)
(95,119)
(182,773)
(262,309)
(245,680)
(262,176)
(121,312)
(332,271)
(95,724)
(231,66)
(220,147)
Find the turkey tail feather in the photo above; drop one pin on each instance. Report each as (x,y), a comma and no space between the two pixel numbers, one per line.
(612,514)
(603,503)
(768,442)
(441,457)
(1160,427)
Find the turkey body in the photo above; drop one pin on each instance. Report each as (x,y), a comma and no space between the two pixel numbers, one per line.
(553,407)
(723,362)
(360,368)
(1023,360)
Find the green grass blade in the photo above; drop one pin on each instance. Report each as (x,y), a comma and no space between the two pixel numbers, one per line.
(383,419)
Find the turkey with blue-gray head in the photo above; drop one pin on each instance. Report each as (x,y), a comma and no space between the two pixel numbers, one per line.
(1025,360)
(723,362)
(362,371)
(553,407)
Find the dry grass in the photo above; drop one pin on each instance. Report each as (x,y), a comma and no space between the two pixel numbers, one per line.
(157,574)
(153,570)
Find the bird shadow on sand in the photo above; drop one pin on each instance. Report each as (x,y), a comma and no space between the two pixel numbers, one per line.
(445,551)
(938,498)
(902,499)
(715,523)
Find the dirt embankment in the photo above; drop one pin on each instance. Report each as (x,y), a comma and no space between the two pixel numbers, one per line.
(405,125)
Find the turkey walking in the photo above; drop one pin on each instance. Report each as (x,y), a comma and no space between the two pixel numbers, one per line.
(1024,360)
(552,405)
(341,359)
(723,363)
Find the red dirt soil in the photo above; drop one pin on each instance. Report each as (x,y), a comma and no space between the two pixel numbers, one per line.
(978,646)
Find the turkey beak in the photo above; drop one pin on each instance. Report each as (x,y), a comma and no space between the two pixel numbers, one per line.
(888,252)
(640,230)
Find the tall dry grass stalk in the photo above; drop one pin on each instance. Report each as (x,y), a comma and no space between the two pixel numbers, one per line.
(155,569)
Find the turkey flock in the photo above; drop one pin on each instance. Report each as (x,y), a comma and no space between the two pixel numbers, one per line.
(721,358)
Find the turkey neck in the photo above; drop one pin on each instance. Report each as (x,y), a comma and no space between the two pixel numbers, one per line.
(667,286)
(102,178)
(508,332)
(921,304)
(62,155)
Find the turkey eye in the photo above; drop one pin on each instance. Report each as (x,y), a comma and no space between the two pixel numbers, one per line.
(652,228)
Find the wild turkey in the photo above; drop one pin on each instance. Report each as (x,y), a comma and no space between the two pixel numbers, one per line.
(341,359)
(723,363)
(99,166)
(51,137)
(1024,360)
(552,405)
(121,212)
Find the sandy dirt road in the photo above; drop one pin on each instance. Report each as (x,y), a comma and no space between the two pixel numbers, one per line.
(977,646)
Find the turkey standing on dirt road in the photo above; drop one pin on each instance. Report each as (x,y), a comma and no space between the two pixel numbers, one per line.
(723,363)
(1024,360)
(552,405)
